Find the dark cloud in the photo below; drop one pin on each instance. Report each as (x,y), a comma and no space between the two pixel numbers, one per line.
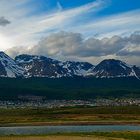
(3,21)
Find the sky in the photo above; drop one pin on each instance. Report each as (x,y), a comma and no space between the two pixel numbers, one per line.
(79,30)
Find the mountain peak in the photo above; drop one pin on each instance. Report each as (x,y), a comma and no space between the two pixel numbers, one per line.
(40,66)
(113,61)
(1,52)
(112,68)
(8,67)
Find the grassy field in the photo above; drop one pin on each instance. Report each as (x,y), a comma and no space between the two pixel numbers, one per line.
(81,136)
(70,115)
(58,138)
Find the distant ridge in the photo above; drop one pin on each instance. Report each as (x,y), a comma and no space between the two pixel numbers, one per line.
(110,68)
(40,66)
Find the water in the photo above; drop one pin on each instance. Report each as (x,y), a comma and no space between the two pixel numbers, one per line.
(42,130)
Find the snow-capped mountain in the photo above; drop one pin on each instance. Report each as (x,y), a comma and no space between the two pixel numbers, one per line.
(40,66)
(114,68)
(77,68)
(8,67)
(137,71)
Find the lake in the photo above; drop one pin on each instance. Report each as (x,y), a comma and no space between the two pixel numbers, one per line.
(42,130)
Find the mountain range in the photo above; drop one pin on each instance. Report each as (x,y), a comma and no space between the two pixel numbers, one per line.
(40,66)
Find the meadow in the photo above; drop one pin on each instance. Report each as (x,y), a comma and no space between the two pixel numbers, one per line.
(126,135)
(70,115)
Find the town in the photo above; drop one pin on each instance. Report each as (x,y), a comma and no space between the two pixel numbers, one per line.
(68,103)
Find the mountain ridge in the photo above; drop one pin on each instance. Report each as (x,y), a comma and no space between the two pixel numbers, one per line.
(8,67)
(25,65)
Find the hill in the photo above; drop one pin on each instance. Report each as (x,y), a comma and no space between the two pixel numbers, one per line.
(70,88)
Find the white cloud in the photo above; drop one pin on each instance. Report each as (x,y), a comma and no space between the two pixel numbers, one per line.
(26,29)
(60,7)
(115,24)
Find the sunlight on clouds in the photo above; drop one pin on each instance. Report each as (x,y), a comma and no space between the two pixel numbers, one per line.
(24,30)
(5,43)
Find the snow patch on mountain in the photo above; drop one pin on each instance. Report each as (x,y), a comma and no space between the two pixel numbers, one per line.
(10,66)
(41,66)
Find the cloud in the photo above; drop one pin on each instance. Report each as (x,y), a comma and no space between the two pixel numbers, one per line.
(131,46)
(114,37)
(74,44)
(115,24)
(3,21)
(31,27)
(68,45)
(14,51)
(60,7)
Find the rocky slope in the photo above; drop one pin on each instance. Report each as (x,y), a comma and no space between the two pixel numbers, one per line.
(9,68)
(41,66)
(113,68)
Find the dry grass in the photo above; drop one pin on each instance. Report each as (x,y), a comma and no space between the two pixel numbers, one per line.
(59,138)
(77,115)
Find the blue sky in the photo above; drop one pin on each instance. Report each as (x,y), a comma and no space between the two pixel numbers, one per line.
(114,6)
(26,24)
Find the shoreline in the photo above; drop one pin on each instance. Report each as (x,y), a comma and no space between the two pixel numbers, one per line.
(67,124)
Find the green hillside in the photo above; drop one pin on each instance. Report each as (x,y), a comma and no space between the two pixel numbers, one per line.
(69,88)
